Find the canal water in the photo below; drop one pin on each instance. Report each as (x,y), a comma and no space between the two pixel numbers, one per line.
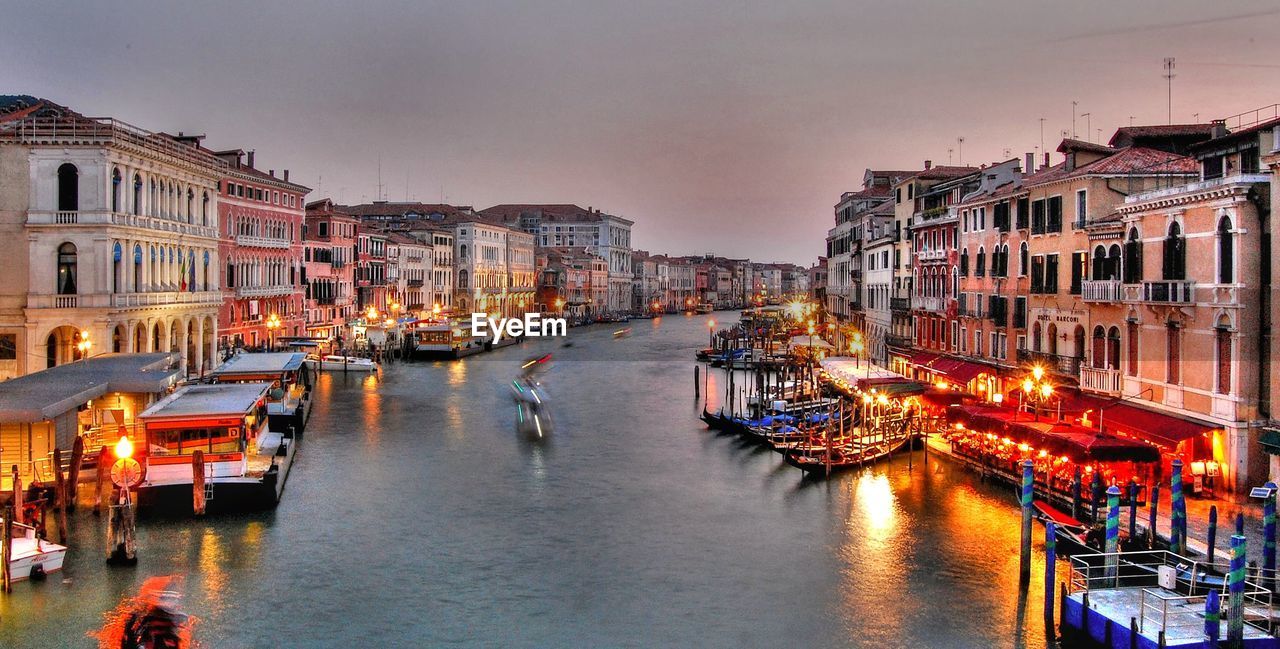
(415,516)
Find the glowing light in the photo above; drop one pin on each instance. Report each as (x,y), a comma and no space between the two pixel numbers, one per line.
(882,400)
(1088,469)
(1037,372)
(1064,459)
(371,314)
(124,448)
(1043,453)
(711,324)
(941,385)
(1046,390)
(1024,447)
(997,397)
(1027,386)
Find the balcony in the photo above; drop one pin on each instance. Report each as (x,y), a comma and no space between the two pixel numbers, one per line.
(932,255)
(934,304)
(900,304)
(163,298)
(904,342)
(1167,292)
(265,291)
(1101,290)
(1057,364)
(413,283)
(120,219)
(1102,380)
(261,242)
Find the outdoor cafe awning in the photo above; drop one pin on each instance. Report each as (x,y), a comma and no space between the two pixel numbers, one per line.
(1165,429)
(815,342)
(1080,443)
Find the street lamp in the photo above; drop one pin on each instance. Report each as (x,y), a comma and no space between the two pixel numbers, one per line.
(273,323)
(1036,390)
(83,344)
(125,473)
(711,332)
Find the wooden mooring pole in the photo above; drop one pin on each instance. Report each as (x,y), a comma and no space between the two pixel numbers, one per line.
(1213,532)
(197,483)
(60,493)
(73,472)
(104,456)
(6,550)
(697,385)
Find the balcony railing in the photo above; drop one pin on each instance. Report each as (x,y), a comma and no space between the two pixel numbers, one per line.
(261,242)
(894,340)
(1061,365)
(900,304)
(1101,290)
(931,255)
(413,283)
(101,217)
(1168,292)
(133,300)
(934,304)
(1098,379)
(265,291)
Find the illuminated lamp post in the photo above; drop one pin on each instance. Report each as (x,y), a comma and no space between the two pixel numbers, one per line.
(1036,390)
(83,344)
(711,333)
(273,323)
(125,473)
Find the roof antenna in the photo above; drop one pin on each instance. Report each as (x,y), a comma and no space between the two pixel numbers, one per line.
(960,150)
(1168,75)
(379,196)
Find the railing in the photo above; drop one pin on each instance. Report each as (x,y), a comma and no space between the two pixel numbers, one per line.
(38,217)
(1101,290)
(1168,292)
(413,283)
(130,300)
(265,291)
(1062,365)
(1099,379)
(1187,188)
(934,304)
(102,130)
(900,304)
(931,255)
(933,213)
(894,340)
(261,242)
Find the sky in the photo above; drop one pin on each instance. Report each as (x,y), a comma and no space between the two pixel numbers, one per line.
(726,127)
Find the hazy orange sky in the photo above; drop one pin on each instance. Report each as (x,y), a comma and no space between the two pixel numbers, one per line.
(729,127)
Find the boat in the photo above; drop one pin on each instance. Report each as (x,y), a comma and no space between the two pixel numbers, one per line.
(153,619)
(245,464)
(451,338)
(1071,535)
(705,308)
(337,363)
(31,557)
(289,400)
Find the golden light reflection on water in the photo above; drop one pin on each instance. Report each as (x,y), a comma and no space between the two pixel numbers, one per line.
(212,571)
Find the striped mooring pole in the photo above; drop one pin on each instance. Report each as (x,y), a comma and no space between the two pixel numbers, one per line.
(1235,593)
(1269,537)
(1133,510)
(1028,492)
(1177,512)
(1050,571)
(1212,615)
(1213,531)
(1112,547)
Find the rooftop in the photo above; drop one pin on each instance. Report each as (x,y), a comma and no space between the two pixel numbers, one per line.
(52,392)
(261,363)
(210,399)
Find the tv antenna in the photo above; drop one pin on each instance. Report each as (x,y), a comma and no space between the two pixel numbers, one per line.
(1168,76)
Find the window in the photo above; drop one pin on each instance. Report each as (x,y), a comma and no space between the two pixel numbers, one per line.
(981,269)
(1037,217)
(1023,253)
(964,263)
(1079,268)
(1082,203)
(1020,312)
(1002,216)
(68,188)
(1173,353)
(1249,161)
(1133,258)
(1051,273)
(964,339)
(1226,252)
(462,279)
(1053,222)
(1174,262)
(1132,332)
(1212,167)
(1113,348)
(1024,212)
(8,347)
(67,269)
(115,190)
(1037,274)
(1222,335)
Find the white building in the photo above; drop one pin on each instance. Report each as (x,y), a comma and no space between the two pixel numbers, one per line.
(494,267)
(412,285)
(604,235)
(110,240)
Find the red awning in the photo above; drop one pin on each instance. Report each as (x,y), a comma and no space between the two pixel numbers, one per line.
(1082,444)
(1131,419)
(957,370)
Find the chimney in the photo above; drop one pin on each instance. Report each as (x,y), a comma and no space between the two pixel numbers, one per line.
(1219,128)
(928,164)
(286,175)
(251,159)
(1031,164)
(1046,159)
(271,172)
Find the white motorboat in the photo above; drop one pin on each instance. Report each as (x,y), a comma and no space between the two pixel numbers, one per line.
(336,363)
(30,553)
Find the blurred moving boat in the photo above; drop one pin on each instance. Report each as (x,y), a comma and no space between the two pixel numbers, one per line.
(30,557)
(151,620)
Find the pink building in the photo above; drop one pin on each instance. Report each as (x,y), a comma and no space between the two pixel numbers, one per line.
(330,238)
(260,221)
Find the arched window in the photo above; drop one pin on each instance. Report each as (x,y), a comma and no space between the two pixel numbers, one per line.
(1226,252)
(980,268)
(1222,335)
(462,252)
(68,188)
(204,210)
(462,274)
(117,262)
(964,262)
(137,268)
(67,269)
(1036,344)
(191,205)
(1099,346)
(1175,254)
(204,283)
(1051,337)
(1112,267)
(137,194)
(115,189)
(1024,256)
(1099,262)
(191,271)
(1113,348)
(1133,258)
